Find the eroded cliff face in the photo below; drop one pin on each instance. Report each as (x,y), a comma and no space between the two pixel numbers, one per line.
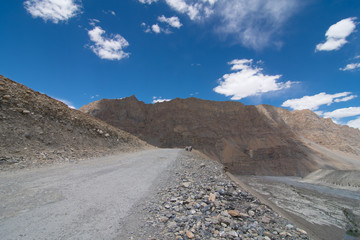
(261,140)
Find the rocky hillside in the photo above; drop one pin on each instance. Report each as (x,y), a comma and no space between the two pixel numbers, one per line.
(36,129)
(247,139)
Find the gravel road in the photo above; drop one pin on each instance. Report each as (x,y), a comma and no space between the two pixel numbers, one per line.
(86,200)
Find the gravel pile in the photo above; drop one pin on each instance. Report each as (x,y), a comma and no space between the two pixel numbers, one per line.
(197,200)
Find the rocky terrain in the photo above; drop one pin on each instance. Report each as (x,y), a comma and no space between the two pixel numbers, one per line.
(343,179)
(261,140)
(201,202)
(36,129)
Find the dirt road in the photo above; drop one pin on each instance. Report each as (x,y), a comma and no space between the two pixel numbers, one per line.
(87,200)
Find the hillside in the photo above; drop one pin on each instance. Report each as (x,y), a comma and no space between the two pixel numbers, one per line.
(262,140)
(37,129)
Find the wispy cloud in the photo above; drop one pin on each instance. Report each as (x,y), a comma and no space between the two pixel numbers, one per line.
(109,12)
(147,1)
(68,103)
(160,99)
(336,35)
(351,67)
(53,10)
(252,23)
(315,101)
(111,47)
(248,80)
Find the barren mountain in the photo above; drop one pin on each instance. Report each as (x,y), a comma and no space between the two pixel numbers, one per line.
(37,129)
(247,139)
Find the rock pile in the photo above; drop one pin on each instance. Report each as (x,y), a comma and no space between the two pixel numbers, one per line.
(201,202)
(36,129)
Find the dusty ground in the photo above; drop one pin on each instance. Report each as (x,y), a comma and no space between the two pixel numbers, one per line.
(318,209)
(78,201)
(161,193)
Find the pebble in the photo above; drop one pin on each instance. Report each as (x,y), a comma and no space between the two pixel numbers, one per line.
(201,202)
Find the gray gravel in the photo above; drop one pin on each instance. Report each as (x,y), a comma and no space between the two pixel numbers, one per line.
(86,200)
(195,199)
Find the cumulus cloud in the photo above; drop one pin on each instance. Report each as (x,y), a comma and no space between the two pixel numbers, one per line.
(171,21)
(252,23)
(315,101)
(147,1)
(248,80)
(343,112)
(354,123)
(155,28)
(53,10)
(160,99)
(196,10)
(336,35)
(110,48)
(351,67)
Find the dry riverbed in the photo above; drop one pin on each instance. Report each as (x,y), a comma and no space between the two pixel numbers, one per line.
(318,209)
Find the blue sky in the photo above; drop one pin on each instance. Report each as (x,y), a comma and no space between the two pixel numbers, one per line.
(298,54)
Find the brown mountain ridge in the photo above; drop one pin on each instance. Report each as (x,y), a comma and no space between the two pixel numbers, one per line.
(262,140)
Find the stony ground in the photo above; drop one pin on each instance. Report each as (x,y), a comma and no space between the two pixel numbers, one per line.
(196,200)
(37,130)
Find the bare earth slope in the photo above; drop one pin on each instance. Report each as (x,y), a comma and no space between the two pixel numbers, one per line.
(262,140)
(36,129)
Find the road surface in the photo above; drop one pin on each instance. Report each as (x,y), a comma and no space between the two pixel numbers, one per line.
(87,200)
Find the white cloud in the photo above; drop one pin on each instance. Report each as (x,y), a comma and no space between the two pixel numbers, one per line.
(146,27)
(53,10)
(248,81)
(343,112)
(68,103)
(172,21)
(95,96)
(109,12)
(357,57)
(252,23)
(336,35)
(351,66)
(196,10)
(156,28)
(354,123)
(160,99)
(315,101)
(148,1)
(110,48)
(345,99)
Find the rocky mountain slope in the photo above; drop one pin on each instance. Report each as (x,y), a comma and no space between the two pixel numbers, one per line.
(247,139)
(37,129)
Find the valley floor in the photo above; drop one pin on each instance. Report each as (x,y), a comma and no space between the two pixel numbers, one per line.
(316,208)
